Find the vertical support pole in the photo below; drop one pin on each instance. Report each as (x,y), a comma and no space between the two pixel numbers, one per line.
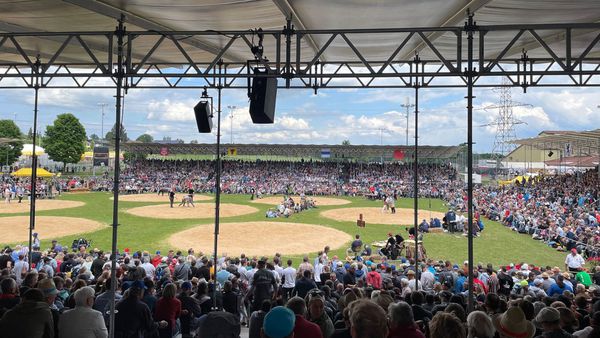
(217,190)
(36,87)
(470,28)
(416,184)
(120,33)
(288,31)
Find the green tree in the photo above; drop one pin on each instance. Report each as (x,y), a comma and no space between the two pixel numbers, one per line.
(11,149)
(110,136)
(194,142)
(94,138)
(346,142)
(64,141)
(145,138)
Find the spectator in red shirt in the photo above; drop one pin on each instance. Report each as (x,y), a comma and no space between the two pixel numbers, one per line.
(168,308)
(303,328)
(476,280)
(374,278)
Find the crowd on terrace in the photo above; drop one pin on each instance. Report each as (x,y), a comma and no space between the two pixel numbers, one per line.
(68,294)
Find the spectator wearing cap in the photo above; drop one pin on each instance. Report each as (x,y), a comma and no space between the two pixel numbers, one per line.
(279,323)
(574,262)
(30,318)
(82,321)
(133,318)
(547,281)
(549,321)
(513,324)
(50,292)
(401,322)
(302,328)
(190,309)
(317,314)
(368,320)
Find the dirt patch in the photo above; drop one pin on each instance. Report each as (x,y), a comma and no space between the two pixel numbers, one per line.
(375,216)
(157,198)
(260,238)
(40,205)
(16,228)
(321,201)
(201,210)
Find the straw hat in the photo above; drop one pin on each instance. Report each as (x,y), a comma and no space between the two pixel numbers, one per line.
(512,323)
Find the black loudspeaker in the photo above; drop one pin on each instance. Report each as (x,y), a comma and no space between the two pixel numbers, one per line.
(203,117)
(550,153)
(262,98)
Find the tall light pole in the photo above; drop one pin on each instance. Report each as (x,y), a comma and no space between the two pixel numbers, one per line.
(102,132)
(407,105)
(231,109)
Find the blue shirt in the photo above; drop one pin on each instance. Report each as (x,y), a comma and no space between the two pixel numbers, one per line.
(458,286)
(555,289)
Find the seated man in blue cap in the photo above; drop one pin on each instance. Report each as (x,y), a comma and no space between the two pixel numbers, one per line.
(279,323)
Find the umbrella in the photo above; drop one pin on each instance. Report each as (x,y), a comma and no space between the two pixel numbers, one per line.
(28,150)
(26,172)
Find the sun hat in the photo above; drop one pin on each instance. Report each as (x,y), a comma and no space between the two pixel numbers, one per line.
(47,287)
(547,315)
(545,275)
(513,323)
(279,322)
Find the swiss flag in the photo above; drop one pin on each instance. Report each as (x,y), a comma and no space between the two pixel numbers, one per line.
(398,154)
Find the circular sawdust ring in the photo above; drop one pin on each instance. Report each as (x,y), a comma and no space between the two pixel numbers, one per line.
(201,210)
(319,200)
(40,205)
(376,216)
(16,228)
(261,238)
(158,198)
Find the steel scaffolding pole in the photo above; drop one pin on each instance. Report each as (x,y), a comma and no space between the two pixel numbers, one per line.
(120,33)
(36,87)
(470,28)
(416,185)
(217,192)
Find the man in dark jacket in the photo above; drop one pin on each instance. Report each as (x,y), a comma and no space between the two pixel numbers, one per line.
(31,318)
(133,318)
(304,284)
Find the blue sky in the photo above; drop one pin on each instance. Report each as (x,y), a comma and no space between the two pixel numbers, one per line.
(362,116)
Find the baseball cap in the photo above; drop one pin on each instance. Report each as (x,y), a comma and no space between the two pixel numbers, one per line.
(279,322)
(524,283)
(574,250)
(47,287)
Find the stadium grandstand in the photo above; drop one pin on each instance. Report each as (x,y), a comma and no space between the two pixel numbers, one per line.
(366,153)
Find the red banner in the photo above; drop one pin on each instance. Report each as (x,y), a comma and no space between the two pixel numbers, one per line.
(398,154)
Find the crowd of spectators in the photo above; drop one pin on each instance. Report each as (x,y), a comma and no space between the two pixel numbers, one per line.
(563,210)
(68,294)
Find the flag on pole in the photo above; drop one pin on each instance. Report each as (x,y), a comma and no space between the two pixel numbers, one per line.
(398,154)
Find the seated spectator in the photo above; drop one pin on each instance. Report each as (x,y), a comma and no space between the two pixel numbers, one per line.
(82,321)
(401,322)
(279,323)
(446,325)
(31,318)
(549,320)
(302,328)
(368,320)
(257,319)
(513,324)
(479,325)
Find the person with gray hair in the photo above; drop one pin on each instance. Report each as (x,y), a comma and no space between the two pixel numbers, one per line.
(480,325)
(82,321)
(402,322)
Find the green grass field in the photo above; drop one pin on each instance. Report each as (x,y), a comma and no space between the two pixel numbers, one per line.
(497,244)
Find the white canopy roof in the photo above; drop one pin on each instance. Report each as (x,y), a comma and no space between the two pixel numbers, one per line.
(241,15)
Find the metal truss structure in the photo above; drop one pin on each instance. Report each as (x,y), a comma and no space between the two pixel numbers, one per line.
(429,65)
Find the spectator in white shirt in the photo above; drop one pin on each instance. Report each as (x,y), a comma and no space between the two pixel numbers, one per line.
(574,262)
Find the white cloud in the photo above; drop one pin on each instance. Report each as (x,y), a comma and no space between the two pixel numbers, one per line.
(167,110)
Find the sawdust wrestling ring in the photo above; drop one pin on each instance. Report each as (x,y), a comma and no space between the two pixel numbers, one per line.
(319,200)
(158,198)
(40,205)
(376,216)
(16,228)
(201,210)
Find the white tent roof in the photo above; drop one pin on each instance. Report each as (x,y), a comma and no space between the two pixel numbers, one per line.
(242,15)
